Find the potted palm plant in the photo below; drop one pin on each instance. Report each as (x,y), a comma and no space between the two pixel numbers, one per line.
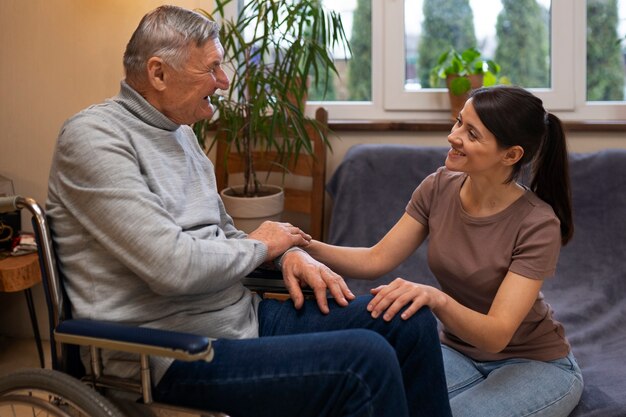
(463,71)
(273,49)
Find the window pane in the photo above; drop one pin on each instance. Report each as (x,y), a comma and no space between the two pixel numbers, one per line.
(606,46)
(514,33)
(354,82)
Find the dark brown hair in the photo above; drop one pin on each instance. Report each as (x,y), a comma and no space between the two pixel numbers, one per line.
(517,118)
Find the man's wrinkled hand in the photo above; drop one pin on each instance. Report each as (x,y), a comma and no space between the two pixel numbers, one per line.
(278,237)
(300,269)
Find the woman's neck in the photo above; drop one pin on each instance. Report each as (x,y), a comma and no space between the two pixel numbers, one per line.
(483,197)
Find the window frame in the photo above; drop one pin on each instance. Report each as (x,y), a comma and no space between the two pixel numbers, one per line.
(560,96)
(566,97)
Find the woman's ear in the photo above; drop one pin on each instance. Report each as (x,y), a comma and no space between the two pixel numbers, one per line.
(513,155)
(156,73)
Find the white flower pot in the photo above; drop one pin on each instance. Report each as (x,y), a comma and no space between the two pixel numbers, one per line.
(249,212)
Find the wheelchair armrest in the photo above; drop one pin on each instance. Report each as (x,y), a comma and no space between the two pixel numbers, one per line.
(268,281)
(135,339)
(265,280)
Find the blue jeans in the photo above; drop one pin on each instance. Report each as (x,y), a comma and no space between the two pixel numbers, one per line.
(308,364)
(512,387)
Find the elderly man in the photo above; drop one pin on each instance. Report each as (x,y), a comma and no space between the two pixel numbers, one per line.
(143,238)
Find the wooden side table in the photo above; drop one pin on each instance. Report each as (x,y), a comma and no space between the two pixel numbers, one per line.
(21,273)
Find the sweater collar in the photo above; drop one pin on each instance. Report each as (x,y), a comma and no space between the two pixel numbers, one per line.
(132,101)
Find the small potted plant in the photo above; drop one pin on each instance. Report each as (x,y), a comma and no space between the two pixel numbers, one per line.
(273,49)
(463,71)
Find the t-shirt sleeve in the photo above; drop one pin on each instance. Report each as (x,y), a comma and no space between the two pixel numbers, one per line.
(422,198)
(538,246)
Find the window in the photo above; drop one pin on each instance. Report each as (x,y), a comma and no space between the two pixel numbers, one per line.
(407,92)
(606,47)
(579,42)
(354,82)
(516,34)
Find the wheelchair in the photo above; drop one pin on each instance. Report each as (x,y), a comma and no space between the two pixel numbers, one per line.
(66,389)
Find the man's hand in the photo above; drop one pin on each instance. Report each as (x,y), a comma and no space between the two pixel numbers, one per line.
(278,237)
(300,269)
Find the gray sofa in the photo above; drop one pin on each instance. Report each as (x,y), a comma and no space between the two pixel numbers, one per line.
(373,183)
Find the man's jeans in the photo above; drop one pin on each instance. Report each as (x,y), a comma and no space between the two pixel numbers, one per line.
(308,364)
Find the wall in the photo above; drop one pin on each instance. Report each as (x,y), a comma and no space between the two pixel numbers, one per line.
(57,57)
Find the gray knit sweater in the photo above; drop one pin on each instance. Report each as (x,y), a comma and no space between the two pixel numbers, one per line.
(141,232)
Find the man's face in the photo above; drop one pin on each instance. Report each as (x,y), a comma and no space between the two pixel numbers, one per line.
(186,98)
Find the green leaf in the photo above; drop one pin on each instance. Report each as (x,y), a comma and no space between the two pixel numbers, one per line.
(460,85)
(489,79)
(470,54)
(269,48)
(467,62)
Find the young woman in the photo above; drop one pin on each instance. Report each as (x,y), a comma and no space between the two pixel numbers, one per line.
(492,242)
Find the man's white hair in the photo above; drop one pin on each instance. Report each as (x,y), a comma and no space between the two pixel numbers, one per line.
(166,32)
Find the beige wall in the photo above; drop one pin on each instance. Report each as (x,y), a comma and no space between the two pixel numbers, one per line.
(57,57)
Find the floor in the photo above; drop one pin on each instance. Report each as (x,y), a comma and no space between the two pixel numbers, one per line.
(17,354)
(20,353)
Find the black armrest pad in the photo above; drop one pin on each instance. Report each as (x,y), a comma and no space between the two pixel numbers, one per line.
(186,342)
(269,280)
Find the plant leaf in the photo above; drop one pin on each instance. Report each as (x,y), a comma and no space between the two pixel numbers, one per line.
(460,85)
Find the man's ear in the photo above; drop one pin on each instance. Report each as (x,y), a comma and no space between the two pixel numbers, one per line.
(513,155)
(156,73)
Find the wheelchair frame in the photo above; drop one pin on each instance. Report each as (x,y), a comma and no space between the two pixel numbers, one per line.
(97,335)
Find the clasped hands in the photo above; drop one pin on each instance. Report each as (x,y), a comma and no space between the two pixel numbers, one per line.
(299,268)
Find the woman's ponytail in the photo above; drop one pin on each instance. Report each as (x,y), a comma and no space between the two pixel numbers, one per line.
(550,179)
(516,117)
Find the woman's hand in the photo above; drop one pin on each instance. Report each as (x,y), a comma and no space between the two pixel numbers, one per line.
(390,299)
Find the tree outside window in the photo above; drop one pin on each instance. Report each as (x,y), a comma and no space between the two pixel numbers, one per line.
(605,52)
(536,42)
(447,23)
(523,43)
(354,82)
(360,66)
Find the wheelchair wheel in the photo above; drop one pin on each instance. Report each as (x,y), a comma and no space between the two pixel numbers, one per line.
(44,392)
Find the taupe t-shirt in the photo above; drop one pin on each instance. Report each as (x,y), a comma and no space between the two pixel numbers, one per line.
(470,257)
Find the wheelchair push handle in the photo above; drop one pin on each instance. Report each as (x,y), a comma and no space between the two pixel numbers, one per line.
(8,204)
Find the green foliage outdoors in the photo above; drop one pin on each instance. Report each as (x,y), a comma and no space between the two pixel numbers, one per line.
(523,43)
(324,87)
(605,65)
(359,72)
(447,24)
(360,66)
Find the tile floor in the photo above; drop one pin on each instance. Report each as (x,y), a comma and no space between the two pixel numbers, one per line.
(17,354)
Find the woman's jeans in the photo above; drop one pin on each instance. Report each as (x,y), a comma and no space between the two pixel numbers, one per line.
(308,364)
(512,387)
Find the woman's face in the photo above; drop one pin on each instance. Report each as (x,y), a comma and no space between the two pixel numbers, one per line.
(474,148)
